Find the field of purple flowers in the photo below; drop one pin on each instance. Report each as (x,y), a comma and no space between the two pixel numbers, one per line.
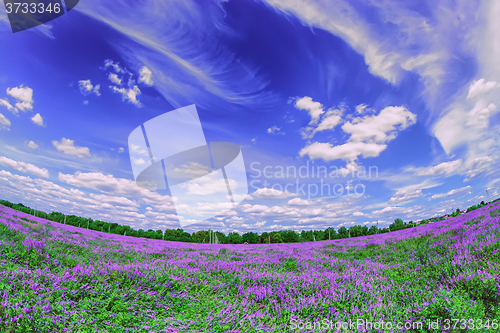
(59,278)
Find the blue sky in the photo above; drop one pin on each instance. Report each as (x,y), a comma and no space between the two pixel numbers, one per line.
(407,90)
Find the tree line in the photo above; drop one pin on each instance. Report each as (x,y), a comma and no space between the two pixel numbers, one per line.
(203,236)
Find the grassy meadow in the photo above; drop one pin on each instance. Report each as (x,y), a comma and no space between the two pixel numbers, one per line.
(59,278)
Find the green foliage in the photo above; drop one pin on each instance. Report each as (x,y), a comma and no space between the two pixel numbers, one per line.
(276,238)
(235,238)
(250,238)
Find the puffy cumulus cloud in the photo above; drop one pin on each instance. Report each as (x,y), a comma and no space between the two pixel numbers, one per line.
(146,76)
(361,108)
(37,120)
(406,195)
(190,170)
(23,96)
(108,184)
(349,151)
(270,193)
(4,123)
(235,220)
(128,94)
(68,147)
(87,88)
(203,209)
(299,202)
(225,215)
(480,86)
(330,121)
(24,167)
(116,66)
(110,208)
(358,214)
(456,192)
(208,185)
(315,109)
(32,145)
(120,150)
(275,130)
(116,201)
(368,136)
(114,78)
(380,128)
(5,103)
(137,149)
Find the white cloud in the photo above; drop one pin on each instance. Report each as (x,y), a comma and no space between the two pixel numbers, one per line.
(24,167)
(68,147)
(208,184)
(146,76)
(299,202)
(368,136)
(315,109)
(6,104)
(115,66)
(402,39)
(86,88)
(37,119)
(129,95)
(24,97)
(191,169)
(32,145)
(460,127)
(120,150)
(465,127)
(114,78)
(380,128)
(358,214)
(270,193)
(275,130)
(480,86)
(349,151)
(4,122)
(455,192)
(329,122)
(404,196)
(361,108)
(118,187)
(138,161)
(445,168)
(121,208)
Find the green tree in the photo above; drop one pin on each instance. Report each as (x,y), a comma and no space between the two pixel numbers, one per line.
(343,232)
(364,231)
(250,237)
(276,238)
(289,236)
(234,238)
(264,238)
